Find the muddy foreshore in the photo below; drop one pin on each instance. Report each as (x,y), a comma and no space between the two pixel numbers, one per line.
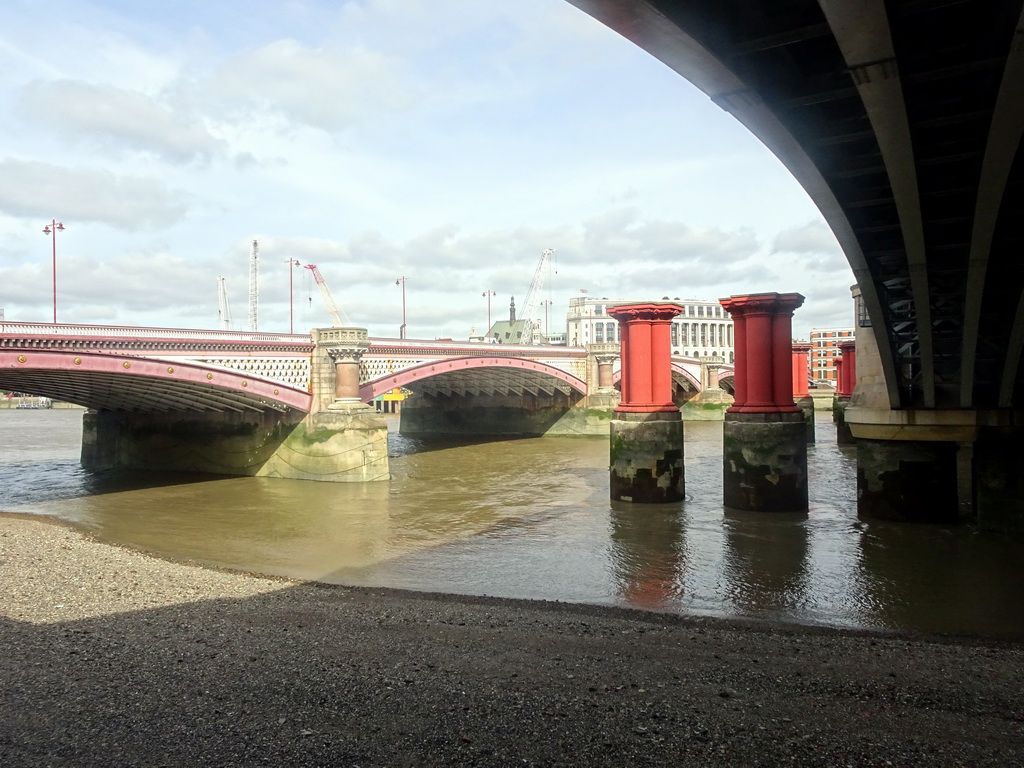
(114,658)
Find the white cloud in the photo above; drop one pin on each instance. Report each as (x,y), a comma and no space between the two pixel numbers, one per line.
(117,120)
(813,237)
(327,88)
(33,188)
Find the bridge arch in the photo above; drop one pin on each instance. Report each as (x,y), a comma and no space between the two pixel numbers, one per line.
(477,375)
(127,383)
(680,375)
(902,122)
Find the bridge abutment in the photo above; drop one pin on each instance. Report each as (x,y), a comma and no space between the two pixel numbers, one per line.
(646,448)
(907,480)
(998,455)
(329,446)
(764,448)
(526,414)
(339,440)
(101,439)
(940,466)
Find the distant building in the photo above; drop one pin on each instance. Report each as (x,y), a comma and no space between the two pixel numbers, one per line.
(509,331)
(704,328)
(825,350)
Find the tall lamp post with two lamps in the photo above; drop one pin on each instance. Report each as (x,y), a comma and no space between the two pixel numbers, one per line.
(401,331)
(488,293)
(52,229)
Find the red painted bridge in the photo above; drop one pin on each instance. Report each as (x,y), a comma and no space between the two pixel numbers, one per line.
(120,368)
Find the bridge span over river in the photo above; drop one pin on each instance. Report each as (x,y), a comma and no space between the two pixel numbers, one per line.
(292,404)
(122,368)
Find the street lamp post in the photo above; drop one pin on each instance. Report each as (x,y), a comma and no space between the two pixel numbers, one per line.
(292,264)
(401,331)
(488,293)
(52,229)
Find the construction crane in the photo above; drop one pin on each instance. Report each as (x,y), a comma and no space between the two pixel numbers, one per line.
(254,287)
(224,312)
(325,292)
(531,325)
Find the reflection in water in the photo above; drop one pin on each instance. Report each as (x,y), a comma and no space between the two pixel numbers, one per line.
(765,565)
(948,580)
(531,519)
(648,553)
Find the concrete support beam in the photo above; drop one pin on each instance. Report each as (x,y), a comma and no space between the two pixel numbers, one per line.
(907,480)
(998,456)
(647,429)
(765,436)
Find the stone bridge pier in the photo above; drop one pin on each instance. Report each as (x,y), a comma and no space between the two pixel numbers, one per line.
(647,428)
(764,447)
(339,440)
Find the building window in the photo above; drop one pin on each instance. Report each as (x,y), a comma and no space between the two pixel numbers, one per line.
(599,333)
(675,335)
(611,332)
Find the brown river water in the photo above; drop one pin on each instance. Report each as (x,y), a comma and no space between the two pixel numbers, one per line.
(531,518)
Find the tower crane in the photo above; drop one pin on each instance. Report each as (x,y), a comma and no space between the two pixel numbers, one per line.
(325,293)
(224,311)
(532,326)
(254,288)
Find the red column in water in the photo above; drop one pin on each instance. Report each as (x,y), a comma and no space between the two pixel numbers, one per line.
(844,387)
(763,327)
(646,354)
(800,353)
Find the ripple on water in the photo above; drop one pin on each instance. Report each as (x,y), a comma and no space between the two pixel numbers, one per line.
(532,519)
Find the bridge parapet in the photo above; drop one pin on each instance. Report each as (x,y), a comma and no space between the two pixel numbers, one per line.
(62,333)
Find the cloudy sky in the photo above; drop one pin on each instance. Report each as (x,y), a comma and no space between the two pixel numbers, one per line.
(445,141)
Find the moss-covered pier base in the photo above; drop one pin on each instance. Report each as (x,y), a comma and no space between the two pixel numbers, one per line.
(764,462)
(333,446)
(647,457)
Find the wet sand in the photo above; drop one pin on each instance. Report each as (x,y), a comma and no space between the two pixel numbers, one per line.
(114,658)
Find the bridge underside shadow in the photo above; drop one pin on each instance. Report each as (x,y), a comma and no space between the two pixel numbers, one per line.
(148,414)
(500,401)
(504,402)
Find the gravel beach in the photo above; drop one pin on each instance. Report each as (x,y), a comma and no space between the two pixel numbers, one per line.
(114,658)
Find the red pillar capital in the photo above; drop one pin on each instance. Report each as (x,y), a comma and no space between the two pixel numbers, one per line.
(646,356)
(763,323)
